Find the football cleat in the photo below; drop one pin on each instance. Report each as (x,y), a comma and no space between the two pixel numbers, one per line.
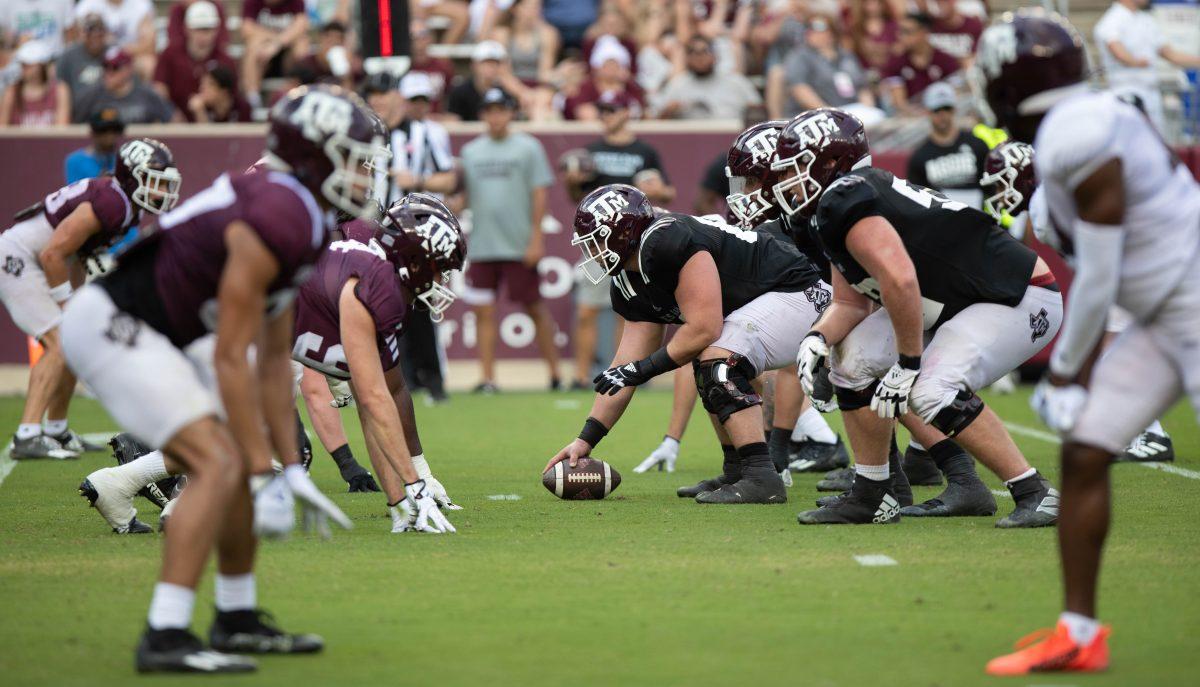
(899,488)
(814,456)
(1148,447)
(1037,504)
(180,651)
(486,389)
(757,485)
(40,447)
(868,502)
(73,442)
(125,449)
(920,469)
(702,486)
(1048,651)
(786,476)
(965,493)
(254,632)
(837,480)
(106,492)
(362,483)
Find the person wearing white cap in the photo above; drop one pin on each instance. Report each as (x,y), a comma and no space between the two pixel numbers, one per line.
(132,25)
(951,159)
(177,75)
(489,69)
(35,99)
(610,63)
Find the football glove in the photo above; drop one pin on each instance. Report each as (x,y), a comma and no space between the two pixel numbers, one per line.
(1058,406)
(318,509)
(439,494)
(663,457)
(822,394)
(421,510)
(342,396)
(891,395)
(813,353)
(614,379)
(274,507)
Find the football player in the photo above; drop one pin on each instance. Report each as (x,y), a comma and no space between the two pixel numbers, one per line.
(45,256)
(1011,183)
(742,300)
(963,304)
(228,261)
(1128,210)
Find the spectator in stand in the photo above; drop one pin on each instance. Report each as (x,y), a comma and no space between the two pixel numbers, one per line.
(951,159)
(333,61)
(454,11)
(572,18)
(218,101)
(36,99)
(181,66)
(48,21)
(874,33)
(613,24)
(701,92)
(918,65)
(177,18)
(82,64)
(489,69)
(1130,43)
(505,179)
(955,33)
(439,69)
(100,155)
(120,90)
(131,23)
(781,32)
(821,74)
(610,73)
(532,48)
(275,33)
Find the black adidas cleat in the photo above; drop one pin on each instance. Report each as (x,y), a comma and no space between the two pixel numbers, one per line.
(362,483)
(837,480)
(814,456)
(1037,504)
(1148,447)
(254,632)
(868,502)
(762,485)
(899,489)
(918,465)
(703,486)
(957,499)
(180,651)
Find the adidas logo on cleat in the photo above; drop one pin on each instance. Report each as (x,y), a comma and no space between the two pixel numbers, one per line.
(1049,504)
(888,509)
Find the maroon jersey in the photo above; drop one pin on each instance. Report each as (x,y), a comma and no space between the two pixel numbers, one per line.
(318,342)
(358,230)
(110,204)
(170,279)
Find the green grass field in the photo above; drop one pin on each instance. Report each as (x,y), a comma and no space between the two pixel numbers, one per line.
(641,589)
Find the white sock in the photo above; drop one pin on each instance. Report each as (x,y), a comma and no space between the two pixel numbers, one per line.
(421,466)
(1028,473)
(145,469)
(916,445)
(1081,628)
(54,427)
(1156,428)
(876,473)
(28,430)
(236,592)
(812,425)
(171,607)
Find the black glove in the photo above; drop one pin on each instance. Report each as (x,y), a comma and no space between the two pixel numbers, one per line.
(636,373)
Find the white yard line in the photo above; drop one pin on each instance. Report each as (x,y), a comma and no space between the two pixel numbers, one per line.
(1002,493)
(1053,439)
(6,464)
(504,497)
(567,404)
(875,560)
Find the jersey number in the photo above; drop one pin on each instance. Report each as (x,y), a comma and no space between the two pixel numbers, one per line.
(370,247)
(307,351)
(743,234)
(59,198)
(930,200)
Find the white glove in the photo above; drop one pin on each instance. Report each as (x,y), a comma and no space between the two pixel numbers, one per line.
(342,396)
(439,494)
(422,510)
(891,396)
(813,352)
(664,456)
(1058,406)
(274,507)
(318,509)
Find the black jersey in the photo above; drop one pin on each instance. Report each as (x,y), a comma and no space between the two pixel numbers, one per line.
(749,264)
(961,255)
(808,245)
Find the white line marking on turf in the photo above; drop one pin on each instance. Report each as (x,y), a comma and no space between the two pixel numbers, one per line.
(504,497)
(566,404)
(98,437)
(875,560)
(1053,439)
(1002,493)
(6,465)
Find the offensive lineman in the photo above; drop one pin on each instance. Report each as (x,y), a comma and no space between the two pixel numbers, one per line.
(963,304)
(1121,202)
(228,261)
(742,300)
(44,257)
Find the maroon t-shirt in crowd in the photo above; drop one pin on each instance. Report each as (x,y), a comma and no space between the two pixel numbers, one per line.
(959,40)
(110,204)
(181,74)
(917,79)
(272,15)
(589,93)
(318,321)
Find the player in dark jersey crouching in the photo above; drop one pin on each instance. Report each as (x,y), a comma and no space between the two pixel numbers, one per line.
(963,304)
(742,300)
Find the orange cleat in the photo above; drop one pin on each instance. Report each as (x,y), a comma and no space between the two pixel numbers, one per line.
(1047,651)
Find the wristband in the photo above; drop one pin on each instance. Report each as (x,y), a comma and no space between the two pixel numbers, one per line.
(910,362)
(62,292)
(593,431)
(659,362)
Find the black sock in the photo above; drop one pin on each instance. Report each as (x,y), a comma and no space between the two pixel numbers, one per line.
(951,459)
(755,455)
(346,463)
(777,445)
(732,465)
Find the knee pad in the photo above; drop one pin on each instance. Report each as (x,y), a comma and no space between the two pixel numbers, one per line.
(724,385)
(851,399)
(961,412)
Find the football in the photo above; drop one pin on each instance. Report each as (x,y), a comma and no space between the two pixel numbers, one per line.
(589,479)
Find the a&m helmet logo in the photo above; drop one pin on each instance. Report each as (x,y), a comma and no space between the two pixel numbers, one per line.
(136,152)
(440,238)
(762,145)
(322,114)
(813,131)
(997,47)
(607,206)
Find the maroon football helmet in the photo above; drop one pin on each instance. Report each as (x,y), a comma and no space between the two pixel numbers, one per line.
(1008,178)
(1024,62)
(423,239)
(331,142)
(749,161)
(608,225)
(813,150)
(146,172)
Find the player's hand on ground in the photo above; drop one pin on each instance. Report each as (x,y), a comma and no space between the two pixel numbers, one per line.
(439,494)
(318,509)
(572,452)
(891,396)
(813,352)
(422,510)
(1059,405)
(274,507)
(664,456)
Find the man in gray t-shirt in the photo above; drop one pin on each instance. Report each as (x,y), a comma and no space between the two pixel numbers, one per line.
(82,64)
(120,90)
(506,177)
(819,73)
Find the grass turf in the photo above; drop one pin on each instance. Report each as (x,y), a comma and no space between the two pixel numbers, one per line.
(641,589)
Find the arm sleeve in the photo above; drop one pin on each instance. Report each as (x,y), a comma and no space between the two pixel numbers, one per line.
(847,201)
(1092,294)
